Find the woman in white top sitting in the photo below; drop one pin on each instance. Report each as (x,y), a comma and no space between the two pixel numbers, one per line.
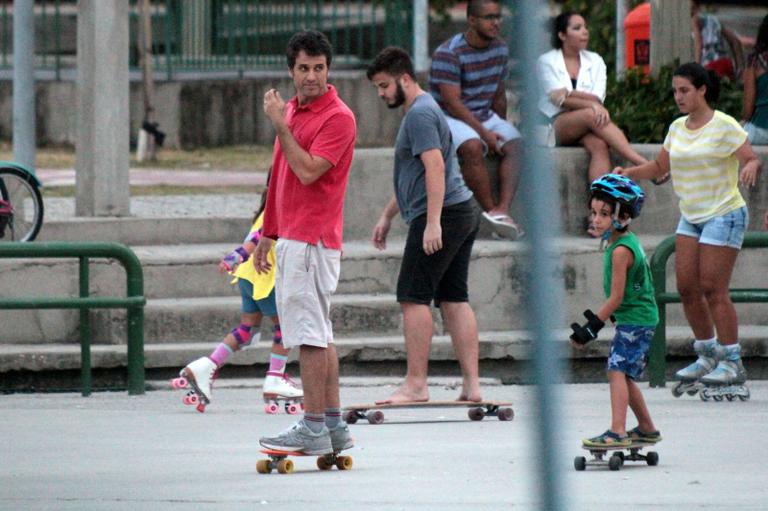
(574,82)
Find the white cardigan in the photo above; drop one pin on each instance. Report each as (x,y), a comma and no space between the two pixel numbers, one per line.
(553,75)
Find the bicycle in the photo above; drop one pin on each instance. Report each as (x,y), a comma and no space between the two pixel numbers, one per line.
(21,203)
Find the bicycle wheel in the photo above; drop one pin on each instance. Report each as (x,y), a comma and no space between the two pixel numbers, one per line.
(20,191)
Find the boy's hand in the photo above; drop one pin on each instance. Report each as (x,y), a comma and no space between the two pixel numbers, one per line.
(587,332)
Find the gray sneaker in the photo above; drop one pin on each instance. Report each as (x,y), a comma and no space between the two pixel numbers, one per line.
(299,438)
(340,437)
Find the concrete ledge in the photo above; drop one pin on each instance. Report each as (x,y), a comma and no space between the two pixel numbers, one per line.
(370,187)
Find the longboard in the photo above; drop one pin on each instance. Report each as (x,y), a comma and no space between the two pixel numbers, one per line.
(372,412)
(278,460)
(619,456)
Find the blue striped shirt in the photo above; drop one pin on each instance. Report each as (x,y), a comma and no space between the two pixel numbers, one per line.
(477,71)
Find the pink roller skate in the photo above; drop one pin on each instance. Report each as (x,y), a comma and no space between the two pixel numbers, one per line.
(198,375)
(279,387)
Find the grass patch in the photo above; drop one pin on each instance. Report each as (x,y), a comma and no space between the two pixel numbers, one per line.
(239,157)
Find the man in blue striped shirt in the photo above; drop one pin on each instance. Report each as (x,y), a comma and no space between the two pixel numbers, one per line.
(467,80)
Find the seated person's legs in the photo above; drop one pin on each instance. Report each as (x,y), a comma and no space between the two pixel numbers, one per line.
(471,150)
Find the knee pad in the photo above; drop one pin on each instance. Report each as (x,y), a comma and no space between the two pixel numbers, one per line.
(245,337)
(277,335)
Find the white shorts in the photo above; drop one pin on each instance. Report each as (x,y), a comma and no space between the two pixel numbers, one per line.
(461,131)
(306,277)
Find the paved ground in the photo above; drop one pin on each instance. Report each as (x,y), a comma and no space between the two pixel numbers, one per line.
(111,451)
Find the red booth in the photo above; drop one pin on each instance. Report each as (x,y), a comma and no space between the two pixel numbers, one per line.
(637,37)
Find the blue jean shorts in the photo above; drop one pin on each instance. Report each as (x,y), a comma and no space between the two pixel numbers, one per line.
(267,306)
(629,349)
(722,231)
(756,135)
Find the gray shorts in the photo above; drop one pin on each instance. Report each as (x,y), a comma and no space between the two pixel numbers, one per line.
(461,131)
(306,278)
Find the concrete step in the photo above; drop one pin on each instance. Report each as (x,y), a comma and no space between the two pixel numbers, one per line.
(498,284)
(506,346)
(147,230)
(211,318)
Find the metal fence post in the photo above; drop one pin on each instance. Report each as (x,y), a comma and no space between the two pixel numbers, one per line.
(85,329)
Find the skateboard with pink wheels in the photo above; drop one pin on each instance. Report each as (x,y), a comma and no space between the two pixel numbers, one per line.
(278,460)
(291,406)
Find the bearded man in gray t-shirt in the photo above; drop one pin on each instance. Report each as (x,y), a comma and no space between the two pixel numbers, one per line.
(442,219)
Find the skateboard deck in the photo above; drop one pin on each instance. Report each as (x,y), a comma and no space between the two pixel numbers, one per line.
(372,412)
(620,454)
(278,460)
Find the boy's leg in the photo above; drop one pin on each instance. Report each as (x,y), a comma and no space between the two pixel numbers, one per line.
(619,402)
(639,408)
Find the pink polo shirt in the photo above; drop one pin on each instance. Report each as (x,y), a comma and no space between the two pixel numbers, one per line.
(311,213)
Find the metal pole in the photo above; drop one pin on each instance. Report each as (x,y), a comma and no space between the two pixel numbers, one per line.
(85,328)
(544,304)
(24,83)
(420,35)
(621,13)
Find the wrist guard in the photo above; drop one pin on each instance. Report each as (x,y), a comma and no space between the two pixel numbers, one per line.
(587,332)
(254,237)
(234,258)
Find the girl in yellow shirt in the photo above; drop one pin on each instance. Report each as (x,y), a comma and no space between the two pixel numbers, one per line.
(258,300)
(708,155)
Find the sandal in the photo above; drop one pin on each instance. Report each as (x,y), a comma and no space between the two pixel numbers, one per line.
(647,438)
(504,226)
(607,439)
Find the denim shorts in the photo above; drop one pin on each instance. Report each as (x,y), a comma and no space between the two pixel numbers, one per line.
(266,306)
(722,231)
(629,349)
(756,135)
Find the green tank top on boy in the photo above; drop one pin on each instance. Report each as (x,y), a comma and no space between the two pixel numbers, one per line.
(639,304)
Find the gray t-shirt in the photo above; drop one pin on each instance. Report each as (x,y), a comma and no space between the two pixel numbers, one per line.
(424,128)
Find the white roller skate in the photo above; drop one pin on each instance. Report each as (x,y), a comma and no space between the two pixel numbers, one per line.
(689,377)
(198,375)
(727,380)
(279,387)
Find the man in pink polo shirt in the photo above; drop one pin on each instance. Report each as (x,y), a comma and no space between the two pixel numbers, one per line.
(304,213)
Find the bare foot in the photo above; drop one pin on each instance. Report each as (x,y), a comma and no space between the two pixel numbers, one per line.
(474,396)
(405,394)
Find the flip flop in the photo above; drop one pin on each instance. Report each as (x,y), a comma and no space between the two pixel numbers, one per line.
(504,226)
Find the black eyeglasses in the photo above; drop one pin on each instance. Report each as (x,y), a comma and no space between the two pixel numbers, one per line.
(491,17)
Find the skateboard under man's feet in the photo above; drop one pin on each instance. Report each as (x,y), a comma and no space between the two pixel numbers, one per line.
(278,460)
(620,454)
(477,409)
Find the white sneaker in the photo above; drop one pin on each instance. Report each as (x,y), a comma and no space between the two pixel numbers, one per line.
(200,375)
(279,385)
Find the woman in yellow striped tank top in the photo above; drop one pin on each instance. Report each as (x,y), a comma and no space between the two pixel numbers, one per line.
(708,155)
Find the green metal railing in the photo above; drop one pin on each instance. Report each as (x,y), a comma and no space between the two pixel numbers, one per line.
(657,356)
(133,302)
(225,35)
